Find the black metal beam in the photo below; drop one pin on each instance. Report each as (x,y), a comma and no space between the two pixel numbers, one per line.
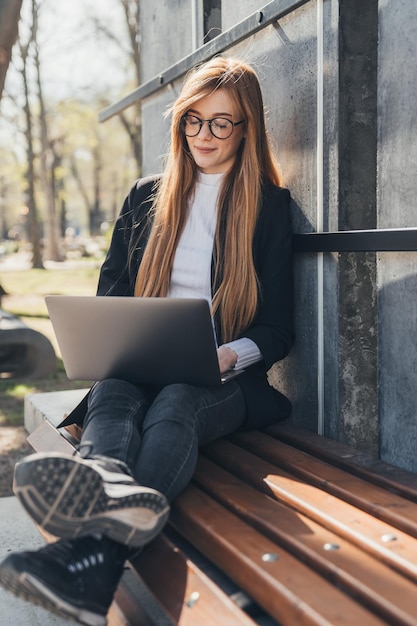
(380,240)
(267,15)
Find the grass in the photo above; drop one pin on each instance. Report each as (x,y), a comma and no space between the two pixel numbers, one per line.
(26,289)
(34,284)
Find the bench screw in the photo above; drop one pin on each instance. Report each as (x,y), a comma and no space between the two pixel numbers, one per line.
(269,557)
(387,538)
(193,599)
(331,546)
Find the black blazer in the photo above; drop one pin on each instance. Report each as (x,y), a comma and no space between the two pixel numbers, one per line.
(272,328)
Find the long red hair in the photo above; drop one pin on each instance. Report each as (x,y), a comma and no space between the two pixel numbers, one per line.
(236,294)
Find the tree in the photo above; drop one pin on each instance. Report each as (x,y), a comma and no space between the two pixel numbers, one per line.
(132,124)
(76,170)
(46,154)
(33,222)
(96,164)
(9,18)
(131,119)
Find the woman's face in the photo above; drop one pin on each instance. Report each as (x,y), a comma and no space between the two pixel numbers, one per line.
(212,155)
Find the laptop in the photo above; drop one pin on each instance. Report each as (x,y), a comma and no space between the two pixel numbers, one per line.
(141,340)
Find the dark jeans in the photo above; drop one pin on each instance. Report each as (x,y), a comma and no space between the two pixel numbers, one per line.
(157,432)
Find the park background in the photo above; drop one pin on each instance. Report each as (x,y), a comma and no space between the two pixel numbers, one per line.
(63,175)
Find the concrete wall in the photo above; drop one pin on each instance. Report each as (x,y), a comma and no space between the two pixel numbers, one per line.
(166,35)
(397,207)
(351,373)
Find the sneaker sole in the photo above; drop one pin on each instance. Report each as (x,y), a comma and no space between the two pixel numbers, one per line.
(66,497)
(31,589)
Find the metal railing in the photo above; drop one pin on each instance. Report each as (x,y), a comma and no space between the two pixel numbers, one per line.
(267,15)
(376,240)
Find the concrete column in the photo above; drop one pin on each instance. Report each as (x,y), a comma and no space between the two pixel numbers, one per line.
(358,406)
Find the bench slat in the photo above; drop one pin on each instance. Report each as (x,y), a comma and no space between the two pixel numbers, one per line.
(364,577)
(338,516)
(287,589)
(46,438)
(125,610)
(188,595)
(380,503)
(339,454)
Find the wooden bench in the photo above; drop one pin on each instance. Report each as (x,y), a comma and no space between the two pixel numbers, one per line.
(278,527)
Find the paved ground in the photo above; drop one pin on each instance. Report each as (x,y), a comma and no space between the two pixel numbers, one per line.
(13,447)
(17,533)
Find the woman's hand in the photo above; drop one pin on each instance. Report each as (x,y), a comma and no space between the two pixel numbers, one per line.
(227,358)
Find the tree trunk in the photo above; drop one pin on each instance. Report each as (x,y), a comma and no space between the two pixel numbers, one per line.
(133,128)
(9,19)
(134,132)
(51,237)
(81,189)
(32,216)
(96,214)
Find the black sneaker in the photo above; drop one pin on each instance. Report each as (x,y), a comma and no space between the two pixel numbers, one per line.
(73,497)
(74,579)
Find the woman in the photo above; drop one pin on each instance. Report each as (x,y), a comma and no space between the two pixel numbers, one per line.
(215,225)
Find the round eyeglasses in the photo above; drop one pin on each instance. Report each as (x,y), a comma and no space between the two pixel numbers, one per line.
(220,127)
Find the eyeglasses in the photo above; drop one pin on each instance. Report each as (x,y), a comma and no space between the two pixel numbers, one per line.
(220,127)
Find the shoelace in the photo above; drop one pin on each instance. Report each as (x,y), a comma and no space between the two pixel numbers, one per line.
(92,560)
(85,554)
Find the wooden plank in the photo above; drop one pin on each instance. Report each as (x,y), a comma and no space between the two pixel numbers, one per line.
(115,617)
(385,542)
(46,438)
(380,503)
(286,588)
(125,610)
(74,431)
(187,594)
(339,454)
(376,585)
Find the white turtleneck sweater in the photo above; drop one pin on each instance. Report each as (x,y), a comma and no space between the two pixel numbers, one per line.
(191,272)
